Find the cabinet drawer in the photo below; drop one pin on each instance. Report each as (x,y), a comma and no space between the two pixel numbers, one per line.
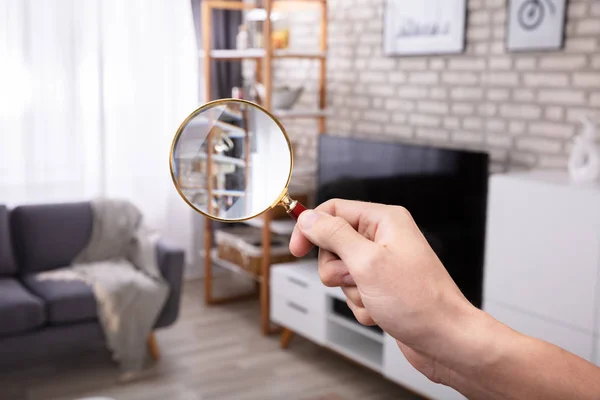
(299,288)
(299,317)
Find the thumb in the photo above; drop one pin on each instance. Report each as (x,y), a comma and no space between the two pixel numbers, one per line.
(333,234)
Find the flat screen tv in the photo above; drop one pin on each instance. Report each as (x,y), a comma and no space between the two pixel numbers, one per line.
(445,190)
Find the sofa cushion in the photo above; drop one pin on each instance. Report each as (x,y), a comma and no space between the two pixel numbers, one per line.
(20,311)
(67,301)
(8,266)
(49,236)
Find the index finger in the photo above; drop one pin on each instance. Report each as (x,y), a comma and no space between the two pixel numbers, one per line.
(363,217)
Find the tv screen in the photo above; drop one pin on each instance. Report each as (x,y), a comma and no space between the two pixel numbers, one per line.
(445,190)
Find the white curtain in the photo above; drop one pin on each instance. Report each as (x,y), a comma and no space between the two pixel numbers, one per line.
(91,95)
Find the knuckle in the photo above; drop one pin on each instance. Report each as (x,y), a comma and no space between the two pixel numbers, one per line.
(335,227)
(363,317)
(402,213)
(328,276)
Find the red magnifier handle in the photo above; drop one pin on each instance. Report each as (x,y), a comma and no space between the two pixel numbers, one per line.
(296,210)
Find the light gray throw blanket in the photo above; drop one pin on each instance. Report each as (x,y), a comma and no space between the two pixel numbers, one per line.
(119,262)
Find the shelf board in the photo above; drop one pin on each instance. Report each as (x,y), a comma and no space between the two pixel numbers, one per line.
(362,330)
(214,256)
(248,54)
(280,227)
(301,113)
(233,131)
(216,158)
(232,193)
(299,54)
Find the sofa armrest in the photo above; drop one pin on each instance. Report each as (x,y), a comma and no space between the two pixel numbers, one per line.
(171,262)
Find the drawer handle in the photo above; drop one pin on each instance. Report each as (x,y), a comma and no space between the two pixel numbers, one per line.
(297,307)
(298,282)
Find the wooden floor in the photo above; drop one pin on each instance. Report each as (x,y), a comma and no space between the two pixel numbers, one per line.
(209,354)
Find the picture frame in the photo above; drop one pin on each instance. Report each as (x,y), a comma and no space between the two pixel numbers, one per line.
(424,27)
(536,25)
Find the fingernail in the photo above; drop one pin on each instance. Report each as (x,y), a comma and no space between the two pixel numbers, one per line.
(347,280)
(308,219)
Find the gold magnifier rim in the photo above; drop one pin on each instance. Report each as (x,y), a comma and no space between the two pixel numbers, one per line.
(193,115)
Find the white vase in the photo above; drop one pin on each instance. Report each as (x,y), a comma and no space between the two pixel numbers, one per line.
(584,162)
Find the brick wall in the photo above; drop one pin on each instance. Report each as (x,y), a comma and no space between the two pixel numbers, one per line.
(523,108)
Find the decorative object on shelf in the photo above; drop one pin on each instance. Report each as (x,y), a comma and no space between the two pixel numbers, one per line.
(284,97)
(424,27)
(242,39)
(584,162)
(536,24)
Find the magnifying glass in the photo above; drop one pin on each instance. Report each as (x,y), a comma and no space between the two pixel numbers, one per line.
(231,160)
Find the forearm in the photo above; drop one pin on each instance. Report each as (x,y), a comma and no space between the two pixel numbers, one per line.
(503,364)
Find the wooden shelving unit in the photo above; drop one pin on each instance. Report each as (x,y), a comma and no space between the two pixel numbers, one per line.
(264,58)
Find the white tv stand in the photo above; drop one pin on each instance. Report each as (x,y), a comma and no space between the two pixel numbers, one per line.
(300,302)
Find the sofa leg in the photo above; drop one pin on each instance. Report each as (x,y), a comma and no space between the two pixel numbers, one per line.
(286,337)
(153,347)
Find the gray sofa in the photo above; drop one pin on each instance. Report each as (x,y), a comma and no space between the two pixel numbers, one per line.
(53,318)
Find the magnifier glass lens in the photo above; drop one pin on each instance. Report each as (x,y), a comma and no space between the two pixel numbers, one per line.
(231,160)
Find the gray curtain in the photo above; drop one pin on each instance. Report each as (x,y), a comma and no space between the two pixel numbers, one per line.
(226,74)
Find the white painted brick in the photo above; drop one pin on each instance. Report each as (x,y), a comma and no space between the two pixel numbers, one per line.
(551,129)
(437,64)
(495,4)
(495,125)
(358,102)
(400,105)
(596,61)
(460,78)
(424,120)
(451,122)
(399,118)
(438,93)
(499,17)
(561,97)
(432,134)
(575,114)
(524,159)
(478,33)
(576,10)
(382,64)
(595,99)
(498,94)
(498,47)
(463,108)
(368,127)
(479,49)
(372,77)
(399,131)
(546,79)
(552,162)
(378,103)
(480,17)
(501,79)
(500,63)
(595,9)
(487,109)
(467,137)
(376,116)
(581,45)
(525,64)
(423,78)
(587,79)
(397,77)
(526,95)
(589,26)
(472,123)
(555,113)
(467,64)
(413,64)
(381,90)
(502,141)
(412,92)
(517,127)
(433,107)
(467,93)
(520,111)
(540,145)
(562,62)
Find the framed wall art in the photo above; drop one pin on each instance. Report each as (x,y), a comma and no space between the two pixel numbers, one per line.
(536,24)
(424,27)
